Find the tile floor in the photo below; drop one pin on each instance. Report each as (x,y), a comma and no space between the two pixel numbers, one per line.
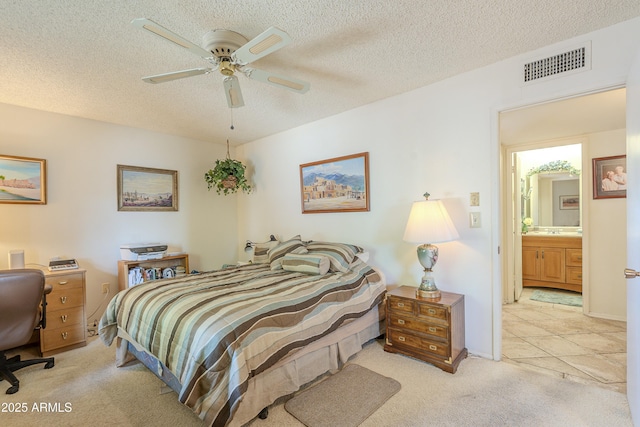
(560,340)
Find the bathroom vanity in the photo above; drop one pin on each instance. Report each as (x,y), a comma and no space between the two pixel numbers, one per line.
(552,261)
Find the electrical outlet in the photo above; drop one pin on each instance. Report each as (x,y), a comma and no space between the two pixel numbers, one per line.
(474,199)
(105,288)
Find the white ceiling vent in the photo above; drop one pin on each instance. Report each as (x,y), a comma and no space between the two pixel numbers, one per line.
(560,65)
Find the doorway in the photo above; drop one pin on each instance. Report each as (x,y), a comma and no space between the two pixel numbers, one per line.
(599,120)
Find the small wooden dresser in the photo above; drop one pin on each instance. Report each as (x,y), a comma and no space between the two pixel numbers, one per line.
(427,329)
(66,319)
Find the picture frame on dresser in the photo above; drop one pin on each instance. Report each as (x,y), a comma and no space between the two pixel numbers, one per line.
(23,180)
(142,189)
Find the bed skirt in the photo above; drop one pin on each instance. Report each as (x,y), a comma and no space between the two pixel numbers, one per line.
(285,377)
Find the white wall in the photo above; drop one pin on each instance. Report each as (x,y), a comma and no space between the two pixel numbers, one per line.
(441,139)
(81,219)
(607,235)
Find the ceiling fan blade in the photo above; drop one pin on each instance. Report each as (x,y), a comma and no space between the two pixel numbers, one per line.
(269,41)
(160,31)
(278,80)
(232,92)
(167,77)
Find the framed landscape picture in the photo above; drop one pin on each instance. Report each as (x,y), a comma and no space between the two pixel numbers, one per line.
(340,184)
(147,189)
(610,177)
(570,202)
(23,180)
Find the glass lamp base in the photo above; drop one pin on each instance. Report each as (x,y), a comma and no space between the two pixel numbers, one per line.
(428,294)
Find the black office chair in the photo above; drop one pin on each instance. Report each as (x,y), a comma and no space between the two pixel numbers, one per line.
(23,305)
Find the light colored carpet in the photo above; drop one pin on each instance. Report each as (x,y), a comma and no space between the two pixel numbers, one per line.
(557,297)
(481,393)
(345,399)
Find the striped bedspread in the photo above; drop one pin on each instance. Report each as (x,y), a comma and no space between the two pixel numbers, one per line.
(216,330)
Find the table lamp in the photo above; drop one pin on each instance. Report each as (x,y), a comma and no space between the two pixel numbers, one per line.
(429,222)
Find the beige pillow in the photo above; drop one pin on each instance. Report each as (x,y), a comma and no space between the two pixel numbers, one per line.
(312,264)
(293,246)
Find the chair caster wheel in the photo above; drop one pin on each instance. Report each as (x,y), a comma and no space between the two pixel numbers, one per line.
(264,414)
(13,389)
(49,365)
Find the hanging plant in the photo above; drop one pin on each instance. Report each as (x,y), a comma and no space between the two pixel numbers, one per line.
(228,176)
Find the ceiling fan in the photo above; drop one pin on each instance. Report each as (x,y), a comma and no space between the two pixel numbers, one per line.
(228,52)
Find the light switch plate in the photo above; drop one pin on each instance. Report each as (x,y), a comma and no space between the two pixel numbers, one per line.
(474,219)
(474,199)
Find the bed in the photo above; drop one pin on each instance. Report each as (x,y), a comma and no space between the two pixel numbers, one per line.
(232,341)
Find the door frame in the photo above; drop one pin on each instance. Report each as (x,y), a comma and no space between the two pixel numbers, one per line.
(503,225)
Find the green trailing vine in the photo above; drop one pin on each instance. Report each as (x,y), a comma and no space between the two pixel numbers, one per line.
(555,166)
(227,176)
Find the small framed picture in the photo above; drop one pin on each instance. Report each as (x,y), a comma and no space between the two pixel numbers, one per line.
(147,189)
(610,177)
(23,180)
(340,184)
(569,202)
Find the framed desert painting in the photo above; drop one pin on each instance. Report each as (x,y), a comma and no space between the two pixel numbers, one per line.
(23,180)
(147,189)
(340,184)
(610,177)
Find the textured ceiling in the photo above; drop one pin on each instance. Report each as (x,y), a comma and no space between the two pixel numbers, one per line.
(83,58)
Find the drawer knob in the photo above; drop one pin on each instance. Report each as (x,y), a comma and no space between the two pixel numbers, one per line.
(64,318)
(433,347)
(400,304)
(64,335)
(432,329)
(431,311)
(63,300)
(400,322)
(63,282)
(401,339)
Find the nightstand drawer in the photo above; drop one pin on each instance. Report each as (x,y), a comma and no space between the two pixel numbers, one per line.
(65,281)
(401,338)
(433,311)
(437,331)
(400,304)
(62,337)
(65,317)
(59,299)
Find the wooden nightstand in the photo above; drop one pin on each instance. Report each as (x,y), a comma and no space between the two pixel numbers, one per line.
(429,330)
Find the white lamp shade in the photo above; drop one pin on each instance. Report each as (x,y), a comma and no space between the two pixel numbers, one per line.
(429,222)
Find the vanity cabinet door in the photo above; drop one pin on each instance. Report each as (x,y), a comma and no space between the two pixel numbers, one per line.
(552,265)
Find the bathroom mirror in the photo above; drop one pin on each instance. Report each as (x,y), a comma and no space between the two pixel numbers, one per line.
(552,199)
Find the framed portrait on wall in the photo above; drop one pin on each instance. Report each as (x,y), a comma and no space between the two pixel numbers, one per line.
(340,184)
(147,189)
(610,177)
(23,180)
